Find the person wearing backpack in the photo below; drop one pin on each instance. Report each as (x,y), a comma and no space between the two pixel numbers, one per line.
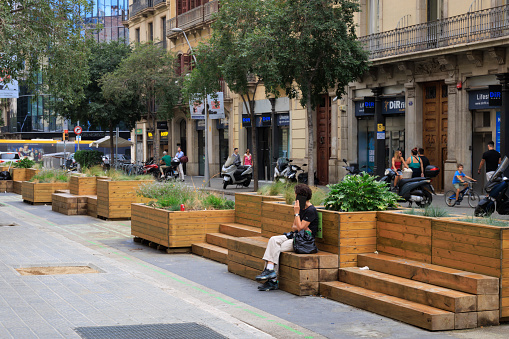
(181,159)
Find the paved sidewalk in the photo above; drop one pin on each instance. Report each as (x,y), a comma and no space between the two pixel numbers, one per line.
(140,285)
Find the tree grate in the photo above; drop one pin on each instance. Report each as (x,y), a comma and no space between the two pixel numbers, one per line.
(158,331)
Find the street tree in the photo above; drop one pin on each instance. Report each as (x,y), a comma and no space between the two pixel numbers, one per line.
(45,39)
(238,52)
(317,50)
(147,77)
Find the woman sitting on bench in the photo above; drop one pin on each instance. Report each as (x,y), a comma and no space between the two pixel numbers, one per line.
(306,218)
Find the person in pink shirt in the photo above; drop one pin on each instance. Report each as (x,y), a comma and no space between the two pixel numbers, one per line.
(248,159)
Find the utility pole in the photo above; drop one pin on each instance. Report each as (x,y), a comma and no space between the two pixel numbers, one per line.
(379,167)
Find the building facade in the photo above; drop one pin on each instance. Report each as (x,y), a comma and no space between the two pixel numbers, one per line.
(433,61)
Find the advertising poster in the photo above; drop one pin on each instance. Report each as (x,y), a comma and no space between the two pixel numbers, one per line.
(215,107)
(9,89)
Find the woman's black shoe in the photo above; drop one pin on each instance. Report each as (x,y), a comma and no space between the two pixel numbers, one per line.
(269,285)
(266,274)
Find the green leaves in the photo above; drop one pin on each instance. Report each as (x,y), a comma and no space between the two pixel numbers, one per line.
(88,158)
(360,192)
(24,163)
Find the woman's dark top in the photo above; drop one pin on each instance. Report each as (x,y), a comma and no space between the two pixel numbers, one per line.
(310,215)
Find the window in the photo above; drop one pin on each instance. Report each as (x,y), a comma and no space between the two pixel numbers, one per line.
(373,16)
(163,31)
(187,5)
(184,64)
(434,10)
(137,35)
(150,31)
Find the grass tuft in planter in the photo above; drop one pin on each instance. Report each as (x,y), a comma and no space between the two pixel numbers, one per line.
(429,211)
(486,221)
(50,176)
(287,190)
(171,195)
(361,192)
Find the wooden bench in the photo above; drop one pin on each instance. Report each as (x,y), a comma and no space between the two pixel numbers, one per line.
(70,204)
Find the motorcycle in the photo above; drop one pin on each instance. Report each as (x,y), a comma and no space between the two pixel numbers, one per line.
(235,174)
(497,199)
(418,190)
(282,169)
(150,167)
(352,169)
(286,171)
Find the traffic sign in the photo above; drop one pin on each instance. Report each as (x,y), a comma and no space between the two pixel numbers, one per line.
(78,130)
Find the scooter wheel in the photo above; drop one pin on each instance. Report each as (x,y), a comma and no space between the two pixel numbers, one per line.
(427,199)
(246,183)
(225,184)
(482,212)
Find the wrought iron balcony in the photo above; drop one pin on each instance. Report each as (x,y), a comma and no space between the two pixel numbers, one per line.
(462,29)
(139,6)
(199,15)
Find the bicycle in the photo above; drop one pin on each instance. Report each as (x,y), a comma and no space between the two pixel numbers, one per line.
(473,198)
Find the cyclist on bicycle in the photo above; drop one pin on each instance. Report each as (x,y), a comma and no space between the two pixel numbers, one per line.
(458,181)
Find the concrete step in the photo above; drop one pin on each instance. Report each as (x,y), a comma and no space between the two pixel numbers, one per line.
(463,281)
(410,312)
(211,252)
(240,230)
(416,291)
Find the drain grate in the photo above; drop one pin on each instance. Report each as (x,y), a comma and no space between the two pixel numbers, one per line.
(159,331)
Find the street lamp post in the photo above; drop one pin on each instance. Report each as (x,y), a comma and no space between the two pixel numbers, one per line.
(206,169)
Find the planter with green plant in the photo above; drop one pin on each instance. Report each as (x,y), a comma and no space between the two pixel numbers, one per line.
(160,219)
(116,194)
(86,182)
(42,185)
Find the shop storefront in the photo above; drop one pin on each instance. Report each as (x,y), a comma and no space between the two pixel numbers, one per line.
(222,129)
(393,108)
(200,129)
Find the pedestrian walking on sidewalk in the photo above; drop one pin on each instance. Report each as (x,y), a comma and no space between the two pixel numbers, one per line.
(178,157)
(415,164)
(248,158)
(306,218)
(492,159)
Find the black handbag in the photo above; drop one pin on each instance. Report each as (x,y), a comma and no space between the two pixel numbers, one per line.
(304,243)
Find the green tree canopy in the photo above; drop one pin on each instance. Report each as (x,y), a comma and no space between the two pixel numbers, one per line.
(147,77)
(45,38)
(239,52)
(316,49)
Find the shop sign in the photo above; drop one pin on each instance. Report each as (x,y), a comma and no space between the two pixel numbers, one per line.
(263,120)
(162,125)
(246,120)
(497,142)
(222,124)
(215,107)
(480,100)
(369,105)
(389,106)
(283,119)
(163,134)
(495,95)
(139,131)
(200,125)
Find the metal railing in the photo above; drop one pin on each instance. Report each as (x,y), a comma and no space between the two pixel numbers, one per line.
(227,94)
(157,2)
(198,15)
(139,5)
(466,28)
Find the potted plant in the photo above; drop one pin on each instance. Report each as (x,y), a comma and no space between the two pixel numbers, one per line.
(42,185)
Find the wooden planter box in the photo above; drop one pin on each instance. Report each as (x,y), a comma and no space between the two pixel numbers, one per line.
(465,246)
(18,174)
(248,208)
(30,172)
(114,198)
(81,185)
(4,168)
(344,233)
(6,186)
(41,192)
(176,229)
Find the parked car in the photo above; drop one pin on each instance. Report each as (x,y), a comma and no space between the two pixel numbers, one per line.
(118,157)
(8,158)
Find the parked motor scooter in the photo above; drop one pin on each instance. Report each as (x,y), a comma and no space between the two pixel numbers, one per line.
(418,190)
(352,169)
(497,199)
(234,174)
(150,167)
(282,169)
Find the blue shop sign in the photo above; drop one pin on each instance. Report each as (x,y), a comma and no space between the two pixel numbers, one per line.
(479,99)
(283,119)
(389,106)
(246,120)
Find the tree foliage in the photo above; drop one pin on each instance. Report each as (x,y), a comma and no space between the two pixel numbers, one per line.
(148,79)
(239,53)
(88,158)
(44,38)
(317,50)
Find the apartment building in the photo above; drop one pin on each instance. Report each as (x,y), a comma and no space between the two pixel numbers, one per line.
(148,21)
(433,62)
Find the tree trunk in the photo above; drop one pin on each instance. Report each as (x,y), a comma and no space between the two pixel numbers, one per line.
(254,140)
(157,138)
(311,143)
(112,146)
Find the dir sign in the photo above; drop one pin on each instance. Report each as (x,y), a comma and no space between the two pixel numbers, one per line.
(369,105)
(495,95)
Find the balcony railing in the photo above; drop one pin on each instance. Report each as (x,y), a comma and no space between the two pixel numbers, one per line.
(198,15)
(466,28)
(157,2)
(140,5)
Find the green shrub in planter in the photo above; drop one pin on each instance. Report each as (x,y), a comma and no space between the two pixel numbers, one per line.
(48,176)
(24,163)
(88,158)
(360,192)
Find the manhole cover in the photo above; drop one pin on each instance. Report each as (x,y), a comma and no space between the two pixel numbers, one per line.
(53,270)
(153,331)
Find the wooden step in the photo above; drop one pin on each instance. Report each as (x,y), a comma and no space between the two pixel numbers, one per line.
(419,292)
(219,239)
(239,230)
(211,252)
(410,312)
(432,274)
